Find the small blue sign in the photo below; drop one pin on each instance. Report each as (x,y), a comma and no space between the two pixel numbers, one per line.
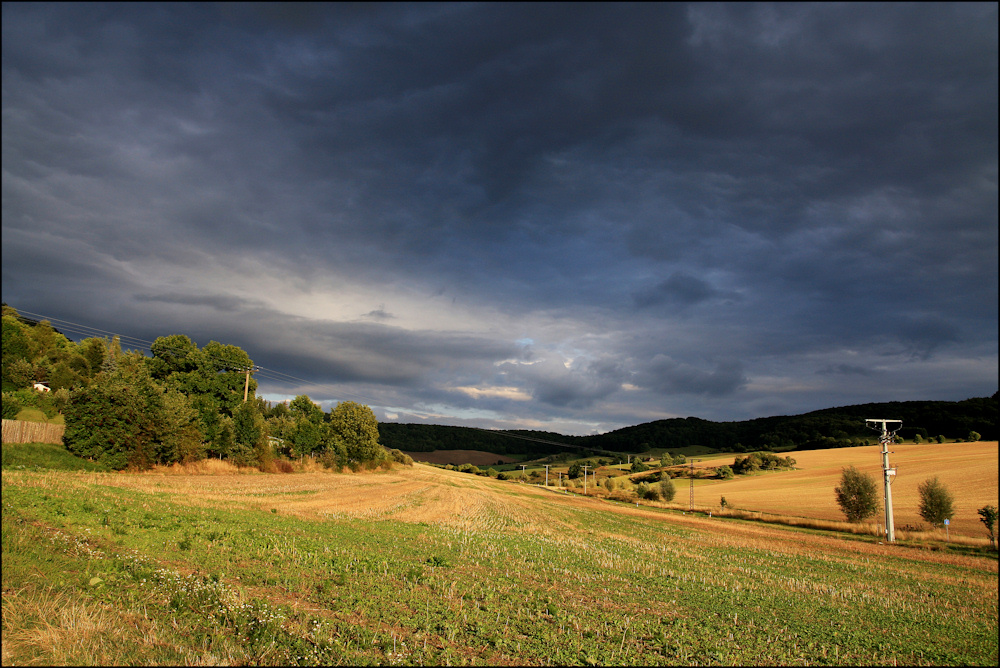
(947,522)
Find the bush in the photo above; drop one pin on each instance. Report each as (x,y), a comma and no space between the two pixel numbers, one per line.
(502,476)
(667,489)
(857,495)
(401,457)
(974,436)
(936,503)
(11,406)
(652,494)
(725,472)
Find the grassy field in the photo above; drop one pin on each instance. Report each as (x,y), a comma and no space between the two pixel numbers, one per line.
(427,566)
(969,470)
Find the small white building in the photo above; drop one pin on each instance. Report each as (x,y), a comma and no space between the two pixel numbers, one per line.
(41,387)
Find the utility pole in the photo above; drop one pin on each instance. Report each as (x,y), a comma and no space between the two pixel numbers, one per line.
(246,385)
(887,429)
(547,474)
(691,502)
(585,481)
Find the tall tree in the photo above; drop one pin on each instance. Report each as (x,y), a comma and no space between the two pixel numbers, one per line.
(357,427)
(119,418)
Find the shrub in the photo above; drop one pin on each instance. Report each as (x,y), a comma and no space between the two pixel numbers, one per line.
(725,472)
(11,406)
(502,476)
(401,457)
(652,494)
(667,489)
(857,495)
(936,503)
(974,436)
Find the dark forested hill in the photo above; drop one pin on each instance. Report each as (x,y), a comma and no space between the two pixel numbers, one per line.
(827,428)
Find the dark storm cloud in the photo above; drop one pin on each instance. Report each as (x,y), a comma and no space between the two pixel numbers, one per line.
(392,196)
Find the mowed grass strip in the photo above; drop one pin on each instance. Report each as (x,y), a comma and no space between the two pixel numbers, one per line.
(435,567)
(968,470)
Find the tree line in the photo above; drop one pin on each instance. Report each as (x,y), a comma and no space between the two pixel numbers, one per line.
(828,428)
(181,404)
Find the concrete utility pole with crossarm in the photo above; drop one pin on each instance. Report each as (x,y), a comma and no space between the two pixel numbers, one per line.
(888,429)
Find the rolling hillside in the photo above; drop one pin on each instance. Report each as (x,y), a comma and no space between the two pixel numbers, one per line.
(828,428)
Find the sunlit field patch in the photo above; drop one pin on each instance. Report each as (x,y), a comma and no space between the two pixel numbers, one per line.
(969,470)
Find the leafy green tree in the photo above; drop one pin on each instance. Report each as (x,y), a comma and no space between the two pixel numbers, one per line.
(679,459)
(303,407)
(117,419)
(357,427)
(857,495)
(667,489)
(11,405)
(666,459)
(936,502)
(306,437)
(19,374)
(988,516)
(15,346)
(250,447)
(638,466)
(575,470)
(182,437)
(725,472)
(974,436)
(93,350)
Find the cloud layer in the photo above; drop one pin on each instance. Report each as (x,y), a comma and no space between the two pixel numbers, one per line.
(567,217)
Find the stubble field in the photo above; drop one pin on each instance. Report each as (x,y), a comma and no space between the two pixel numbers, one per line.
(968,470)
(426,566)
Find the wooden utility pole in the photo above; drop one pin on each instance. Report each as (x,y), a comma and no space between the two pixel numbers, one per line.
(585,480)
(246,386)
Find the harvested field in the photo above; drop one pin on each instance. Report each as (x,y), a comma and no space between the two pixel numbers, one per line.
(427,566)
(969,470)
(476,457)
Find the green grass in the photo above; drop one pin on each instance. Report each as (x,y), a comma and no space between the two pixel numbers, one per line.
(44,456)
(221,583)
(36,415)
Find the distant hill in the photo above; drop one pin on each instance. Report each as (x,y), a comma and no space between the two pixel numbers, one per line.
(827,428)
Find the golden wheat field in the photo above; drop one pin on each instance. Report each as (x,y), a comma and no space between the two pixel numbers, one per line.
(969,470)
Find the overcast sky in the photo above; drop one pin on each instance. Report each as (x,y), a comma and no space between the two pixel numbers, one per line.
(562,217)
